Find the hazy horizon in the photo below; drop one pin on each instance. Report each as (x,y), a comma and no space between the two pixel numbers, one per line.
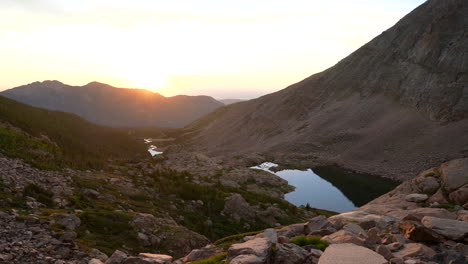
(225,50)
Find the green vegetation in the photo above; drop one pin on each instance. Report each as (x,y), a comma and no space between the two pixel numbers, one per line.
(32,150)
(313,240)
(107,231)
(226,242)
(448,206)
(59,139)
(39,194)
(216,259)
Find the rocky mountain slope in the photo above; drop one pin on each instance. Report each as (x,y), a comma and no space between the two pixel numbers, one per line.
(103,104)
(395,106)
(422,221)
(58,214)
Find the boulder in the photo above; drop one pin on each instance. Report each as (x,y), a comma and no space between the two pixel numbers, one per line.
(415,250)
(451,256)
(147,258)
(437,198)
(70,221)
(117,257)
(137,260)
(238,208)
(248,259)
(462,215)
(350,254)
(451,229)
(372,237)
(148,222)
(344,236)
(397,261)
(428,184)
(259,247)
(143,239)
(160,258)
(460,196)
(96,253)
(454,174)
(199,254)
(317,223)
(361,217)
(291,231)
(354,228)
(416,197)
(283,239)
(290,254)
(418,213)
(384,251)
(95,261)
(417,232)
(270,234)
(316,253)
(395,246)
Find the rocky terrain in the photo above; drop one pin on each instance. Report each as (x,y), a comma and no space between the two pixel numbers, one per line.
(72,216)
(394,107)
(422,221)
(106,105)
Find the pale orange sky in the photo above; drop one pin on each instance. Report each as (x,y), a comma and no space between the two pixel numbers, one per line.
(226,49)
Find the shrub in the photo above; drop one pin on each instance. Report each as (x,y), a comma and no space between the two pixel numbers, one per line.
(39,194)
(313,240)
(108,230)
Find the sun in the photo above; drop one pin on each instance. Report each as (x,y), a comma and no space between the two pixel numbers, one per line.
(145,79)
(149,82)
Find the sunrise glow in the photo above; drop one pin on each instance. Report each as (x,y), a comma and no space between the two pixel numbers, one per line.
(185,47)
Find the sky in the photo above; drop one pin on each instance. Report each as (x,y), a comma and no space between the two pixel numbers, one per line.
(225,49)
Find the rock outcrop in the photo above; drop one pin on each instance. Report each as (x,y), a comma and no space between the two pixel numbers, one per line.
(389,229)
(350,254)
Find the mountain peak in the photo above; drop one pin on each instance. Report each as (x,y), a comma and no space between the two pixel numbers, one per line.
(395,106)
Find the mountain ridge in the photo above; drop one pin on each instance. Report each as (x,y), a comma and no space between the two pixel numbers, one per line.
(397,105)
(107,105)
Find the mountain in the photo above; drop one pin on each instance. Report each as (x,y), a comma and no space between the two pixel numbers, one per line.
(230,101)
(106,105)
(395,106)
(53,140)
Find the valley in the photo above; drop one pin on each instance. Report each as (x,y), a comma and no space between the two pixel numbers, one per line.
(365,162)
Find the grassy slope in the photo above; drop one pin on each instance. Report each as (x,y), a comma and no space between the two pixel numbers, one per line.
(79,143)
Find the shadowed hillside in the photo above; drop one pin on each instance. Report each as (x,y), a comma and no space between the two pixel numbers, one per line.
(106,105)
(395,106)
(53,139)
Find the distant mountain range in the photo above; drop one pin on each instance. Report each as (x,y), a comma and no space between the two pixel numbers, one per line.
(230,101)
(103,104)
(394,107)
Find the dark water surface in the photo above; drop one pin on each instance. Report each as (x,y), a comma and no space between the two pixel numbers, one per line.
(331,188)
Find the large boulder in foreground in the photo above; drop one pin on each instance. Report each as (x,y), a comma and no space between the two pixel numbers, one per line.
(254,251)
(451,229)
(290,254)
(454,174)
(350,254)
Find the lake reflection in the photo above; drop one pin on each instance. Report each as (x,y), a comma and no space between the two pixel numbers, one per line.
(311,189)
(331,188)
